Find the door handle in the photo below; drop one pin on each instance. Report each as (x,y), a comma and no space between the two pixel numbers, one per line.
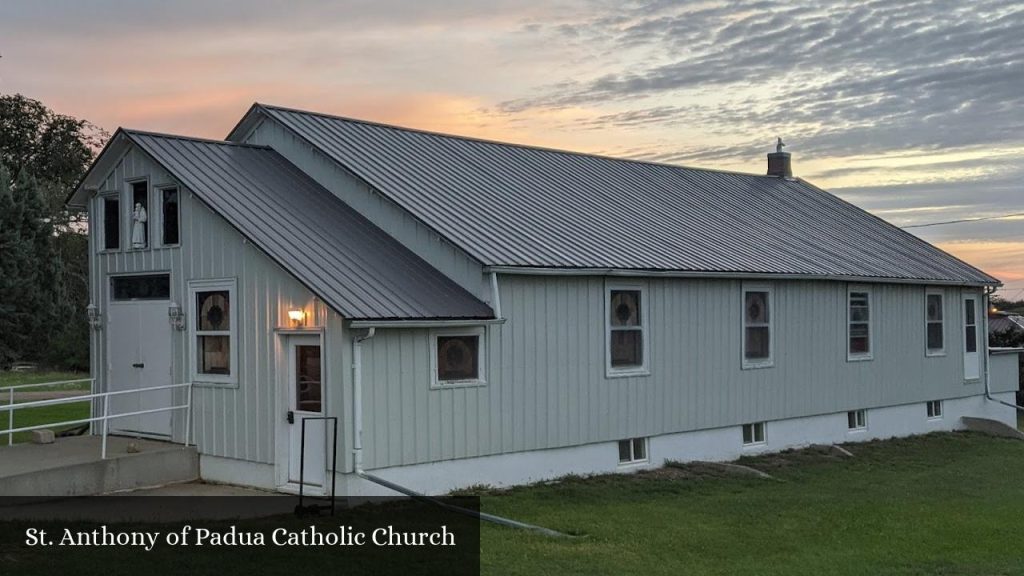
(139,365)
(290,417)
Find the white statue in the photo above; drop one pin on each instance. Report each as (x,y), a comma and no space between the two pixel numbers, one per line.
(139,226)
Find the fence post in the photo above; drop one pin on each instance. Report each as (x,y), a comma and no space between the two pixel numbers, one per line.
(188,416)
(106,414)
(10,416)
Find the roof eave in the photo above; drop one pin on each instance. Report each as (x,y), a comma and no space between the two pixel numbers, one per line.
(641,273)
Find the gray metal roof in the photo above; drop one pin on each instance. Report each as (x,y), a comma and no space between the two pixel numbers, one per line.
(355,267)
(1002,323)
(519,206)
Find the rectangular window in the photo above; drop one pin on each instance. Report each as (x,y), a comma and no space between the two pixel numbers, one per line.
(857,419)
(149,287)
(140,214)
(859,324)
(111,223)
(935,332)
(458,358)
(626,325)
(934,409)
(309,383)
(753,434)
(169,214)
(757,327)
(214,328)
(970,325)
(633,451)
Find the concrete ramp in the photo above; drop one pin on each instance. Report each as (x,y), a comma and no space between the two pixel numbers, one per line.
(72,466)
(991,427)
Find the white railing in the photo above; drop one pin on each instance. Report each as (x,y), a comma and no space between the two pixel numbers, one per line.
(10,407)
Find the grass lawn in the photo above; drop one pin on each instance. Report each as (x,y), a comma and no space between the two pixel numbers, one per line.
(936,504)
(43,414)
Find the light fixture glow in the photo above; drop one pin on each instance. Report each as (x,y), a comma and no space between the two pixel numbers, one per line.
(298,317)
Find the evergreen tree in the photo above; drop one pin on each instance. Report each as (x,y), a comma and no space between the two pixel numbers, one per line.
(41,305)
(15,282)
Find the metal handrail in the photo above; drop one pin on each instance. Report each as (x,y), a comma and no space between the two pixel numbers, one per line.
(41,384)
(105,418)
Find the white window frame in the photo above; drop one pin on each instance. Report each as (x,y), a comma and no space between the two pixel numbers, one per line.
(933,409)
(481,333)
(129,208)
(860,420)
(753,434)
(930,352)
(644,368)
(870,354)
(749,364)
(633,460)
(101,221)
(159,219)
(229,285)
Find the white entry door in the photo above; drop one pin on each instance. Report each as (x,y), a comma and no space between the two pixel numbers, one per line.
(972,363)
(305,390)
(138,357)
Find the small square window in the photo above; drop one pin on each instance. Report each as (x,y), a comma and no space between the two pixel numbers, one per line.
(753,434)
(633,451)
(934,409)
(857,419)
(458,358)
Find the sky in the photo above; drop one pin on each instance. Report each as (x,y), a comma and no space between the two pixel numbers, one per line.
(913,110)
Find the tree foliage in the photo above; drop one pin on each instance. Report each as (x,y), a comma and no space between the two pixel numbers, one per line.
(43,245)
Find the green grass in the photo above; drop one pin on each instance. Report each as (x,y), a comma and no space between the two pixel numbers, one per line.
(937,504)
(42,414)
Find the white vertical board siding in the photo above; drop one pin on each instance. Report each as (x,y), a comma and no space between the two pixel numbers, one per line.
(398,223)
(229,421)
(546,384)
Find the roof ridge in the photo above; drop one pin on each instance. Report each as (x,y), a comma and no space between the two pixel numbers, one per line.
(505,143)
(131,131)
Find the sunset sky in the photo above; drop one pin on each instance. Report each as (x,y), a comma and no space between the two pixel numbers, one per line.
(912,110)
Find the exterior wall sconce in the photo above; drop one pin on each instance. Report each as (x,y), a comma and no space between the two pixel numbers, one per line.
(298,318)
(94,316)
(175,316)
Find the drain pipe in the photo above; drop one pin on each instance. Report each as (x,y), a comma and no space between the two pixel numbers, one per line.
(357,451)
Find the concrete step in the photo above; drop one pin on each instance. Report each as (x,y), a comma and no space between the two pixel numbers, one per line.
(991,427)
(73,467)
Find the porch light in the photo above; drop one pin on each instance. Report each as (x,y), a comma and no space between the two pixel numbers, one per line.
(175,316)
(298,317)
(94,316)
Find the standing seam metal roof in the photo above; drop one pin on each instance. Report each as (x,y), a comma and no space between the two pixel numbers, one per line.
(518,206)
(355,267)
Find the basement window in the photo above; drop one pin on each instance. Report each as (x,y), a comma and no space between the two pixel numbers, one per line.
(857,420)
(626,330)
(934,409)
(757,326)
(934,326)
(632,451)
(458,358)
(859,323)
(753,434)
(214,331)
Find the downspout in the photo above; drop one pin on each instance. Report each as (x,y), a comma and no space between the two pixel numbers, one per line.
(357,441)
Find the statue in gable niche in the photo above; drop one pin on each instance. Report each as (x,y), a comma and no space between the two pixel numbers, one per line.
(139,226)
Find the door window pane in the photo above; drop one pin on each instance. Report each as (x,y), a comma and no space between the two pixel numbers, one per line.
(308,383)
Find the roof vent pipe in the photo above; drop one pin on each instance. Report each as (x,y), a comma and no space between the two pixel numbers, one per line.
(779,162)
